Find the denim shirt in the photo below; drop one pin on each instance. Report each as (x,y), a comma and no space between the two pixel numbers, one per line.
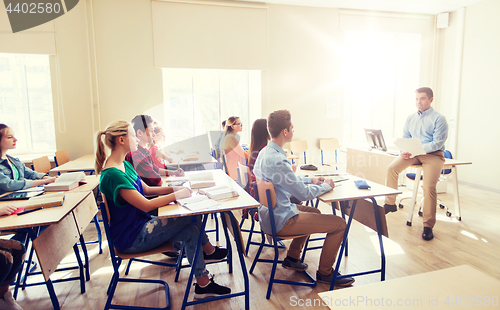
(26,175)
(273,166)
(430,127)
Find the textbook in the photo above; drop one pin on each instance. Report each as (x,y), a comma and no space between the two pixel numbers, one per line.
(201,179)
(66,182)
(45,201)
(219,192)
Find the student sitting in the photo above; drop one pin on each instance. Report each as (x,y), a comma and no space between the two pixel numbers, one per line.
(11,259)
(273,166)
(14,175)
(231,146)
(141,159)
(158,155)
(132,229)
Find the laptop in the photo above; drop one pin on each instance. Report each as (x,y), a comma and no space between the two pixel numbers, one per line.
(21,195)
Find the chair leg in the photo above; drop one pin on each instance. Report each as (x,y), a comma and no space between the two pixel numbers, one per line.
(250,233)
(258,252)
(273,270)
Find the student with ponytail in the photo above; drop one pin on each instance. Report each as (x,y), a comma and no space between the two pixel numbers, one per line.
(133,230)
(231,146)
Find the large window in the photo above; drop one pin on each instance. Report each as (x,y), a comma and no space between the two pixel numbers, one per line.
(26,101)
(196,101)
(381,73)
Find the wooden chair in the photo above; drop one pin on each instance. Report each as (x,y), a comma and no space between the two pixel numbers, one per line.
(244,181)
(61,157)
(298,147)
(329,145)
(267,197)
(42,164)
(117,257)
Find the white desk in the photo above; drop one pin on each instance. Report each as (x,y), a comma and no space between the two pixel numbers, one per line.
(84,163)
(448,164)
(453,288)
(244,200)
(66,224)
(347,191)
(372,165)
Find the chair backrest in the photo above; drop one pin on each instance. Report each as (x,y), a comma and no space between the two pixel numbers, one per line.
(42,164)
(447,154)
(262,188)
(329,144)
(62,157)
(298,146)
(224,165)
(106,218)
(244,176)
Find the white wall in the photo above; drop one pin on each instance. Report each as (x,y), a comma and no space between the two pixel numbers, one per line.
(118,80)
(479,123)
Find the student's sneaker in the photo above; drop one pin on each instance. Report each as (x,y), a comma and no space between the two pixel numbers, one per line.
(338,282)
(218,255)
(8,302)
(211,290)
(297,265)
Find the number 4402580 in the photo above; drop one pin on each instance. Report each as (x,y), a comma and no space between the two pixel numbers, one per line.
(34,8)
(472,301)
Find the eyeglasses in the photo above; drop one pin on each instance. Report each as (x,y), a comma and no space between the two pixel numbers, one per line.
(239,124)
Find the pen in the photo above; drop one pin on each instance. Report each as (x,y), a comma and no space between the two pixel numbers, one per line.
(29,211)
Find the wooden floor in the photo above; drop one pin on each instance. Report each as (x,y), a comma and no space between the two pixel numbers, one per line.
(474,241)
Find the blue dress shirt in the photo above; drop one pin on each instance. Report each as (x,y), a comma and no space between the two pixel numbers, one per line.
(430,127)
(273,166)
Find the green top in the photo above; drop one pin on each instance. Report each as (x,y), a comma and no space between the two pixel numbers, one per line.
(15,172)
(112,179)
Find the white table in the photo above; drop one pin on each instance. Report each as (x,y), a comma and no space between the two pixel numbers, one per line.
(453,288)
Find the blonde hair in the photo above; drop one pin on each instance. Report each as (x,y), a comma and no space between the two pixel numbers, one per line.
(114,130)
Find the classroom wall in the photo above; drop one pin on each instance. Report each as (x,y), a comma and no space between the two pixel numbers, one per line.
(104,54)
(479,97)
(305,68)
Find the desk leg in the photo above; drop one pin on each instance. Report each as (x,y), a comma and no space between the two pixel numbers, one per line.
(52,294)
(86,257)
(196,253)
(380,241)
(455,192)
(81,267)
(414,196)
(239,247)
(342,247)
(228,243)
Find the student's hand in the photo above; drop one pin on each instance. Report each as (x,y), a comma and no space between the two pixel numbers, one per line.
(179,172)
(7,210)
(183,193)
(330,182)
(406,155)
(178,188)
(294,167)
(318,181)
(49,179)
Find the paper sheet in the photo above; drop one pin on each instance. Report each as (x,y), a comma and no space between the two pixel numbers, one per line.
(411,145)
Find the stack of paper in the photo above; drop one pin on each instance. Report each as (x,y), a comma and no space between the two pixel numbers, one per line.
(198,202)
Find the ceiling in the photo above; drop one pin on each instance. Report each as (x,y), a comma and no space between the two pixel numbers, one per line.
(432,7)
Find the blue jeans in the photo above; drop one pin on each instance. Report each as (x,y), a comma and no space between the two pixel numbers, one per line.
(11,260)
(158,231)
